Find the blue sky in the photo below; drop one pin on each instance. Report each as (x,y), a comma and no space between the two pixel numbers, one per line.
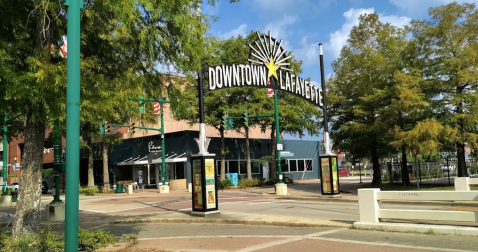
(302,24)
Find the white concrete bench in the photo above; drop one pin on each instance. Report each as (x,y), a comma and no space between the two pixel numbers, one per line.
(370,210)
(463,183)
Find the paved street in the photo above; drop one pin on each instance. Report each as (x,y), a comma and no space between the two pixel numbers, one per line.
(252,220)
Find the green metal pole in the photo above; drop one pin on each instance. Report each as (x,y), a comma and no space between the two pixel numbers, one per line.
(5,151)
(72,126)
(56,162)
(163,159)
(276,114)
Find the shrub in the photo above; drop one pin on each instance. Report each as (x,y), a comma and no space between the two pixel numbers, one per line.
(93,240)
(50,241)
(246,183)
(88,190)
(225,184)
(251,182)
(47,173)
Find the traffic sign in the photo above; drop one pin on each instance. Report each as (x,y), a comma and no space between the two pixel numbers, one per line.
(286,154)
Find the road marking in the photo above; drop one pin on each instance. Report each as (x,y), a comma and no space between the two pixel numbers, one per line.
(387,244)
(152,205)
(94,211)
(270,244)
(326,232)
(268,202)
(288,239)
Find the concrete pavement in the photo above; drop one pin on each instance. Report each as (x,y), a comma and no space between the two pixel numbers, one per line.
(249,220)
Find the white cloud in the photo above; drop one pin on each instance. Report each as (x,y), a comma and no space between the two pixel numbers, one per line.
(339,38)
(308,53)
(418,8)
(211,10)
(241,30)
(279,27)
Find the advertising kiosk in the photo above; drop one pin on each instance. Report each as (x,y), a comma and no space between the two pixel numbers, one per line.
(204,190)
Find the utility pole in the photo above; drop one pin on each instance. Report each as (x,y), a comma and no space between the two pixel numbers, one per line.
(72,124)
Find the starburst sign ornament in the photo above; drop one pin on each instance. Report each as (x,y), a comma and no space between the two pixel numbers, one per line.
(266,51)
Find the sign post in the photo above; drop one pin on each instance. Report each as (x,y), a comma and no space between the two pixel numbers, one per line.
(329,178)
(72,124)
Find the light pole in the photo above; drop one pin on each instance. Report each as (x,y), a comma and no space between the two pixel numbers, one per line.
(72,125)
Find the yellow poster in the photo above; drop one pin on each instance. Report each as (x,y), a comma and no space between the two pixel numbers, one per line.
(210,183)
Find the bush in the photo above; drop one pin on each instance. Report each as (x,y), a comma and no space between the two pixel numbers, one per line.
(251,183)
(47,173)
(225,184)
(88,190)
(50,241)
(93,240)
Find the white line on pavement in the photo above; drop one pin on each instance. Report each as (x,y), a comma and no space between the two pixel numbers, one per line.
(387,244)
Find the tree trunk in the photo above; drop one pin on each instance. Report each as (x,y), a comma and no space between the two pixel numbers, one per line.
(27,216)
(106,174)
(461,166)
(273,167)
(91,174)
(248,155)
(405,178)
(377,178)
(223,154)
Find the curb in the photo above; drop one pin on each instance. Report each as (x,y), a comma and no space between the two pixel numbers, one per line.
(227,222)
(438,203)
(417,228)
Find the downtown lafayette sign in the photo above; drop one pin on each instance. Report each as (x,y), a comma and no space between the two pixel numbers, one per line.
(267,59)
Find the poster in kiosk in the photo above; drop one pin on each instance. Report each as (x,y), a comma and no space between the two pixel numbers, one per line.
(204,191)
(329,179)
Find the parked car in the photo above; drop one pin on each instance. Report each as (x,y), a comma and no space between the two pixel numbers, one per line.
(446,168)
(14,186)
(44,187)
(343,172)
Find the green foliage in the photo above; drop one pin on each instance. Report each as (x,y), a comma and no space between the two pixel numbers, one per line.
(47,173)
(88,190)
(225,184)
(47,241)
(93,240)
(244,183)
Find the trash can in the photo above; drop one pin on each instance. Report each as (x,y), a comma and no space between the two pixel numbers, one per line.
(14,196)
(119,189)
(129,189)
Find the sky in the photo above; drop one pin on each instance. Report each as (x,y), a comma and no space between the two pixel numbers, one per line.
(303,24)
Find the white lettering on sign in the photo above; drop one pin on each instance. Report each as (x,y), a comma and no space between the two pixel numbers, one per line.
(225,76)
(152,148)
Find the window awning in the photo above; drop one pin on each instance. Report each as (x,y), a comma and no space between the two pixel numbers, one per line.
(154,159)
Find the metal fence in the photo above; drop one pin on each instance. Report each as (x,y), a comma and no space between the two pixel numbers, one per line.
(429,173)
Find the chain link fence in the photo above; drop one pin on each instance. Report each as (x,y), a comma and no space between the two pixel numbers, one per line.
(428,173)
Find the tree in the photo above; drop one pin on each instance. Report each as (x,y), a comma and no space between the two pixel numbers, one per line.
(448,49)
(362,90)
(121,46)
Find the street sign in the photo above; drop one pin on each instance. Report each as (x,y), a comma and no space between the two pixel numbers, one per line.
(286,154)
(280,147)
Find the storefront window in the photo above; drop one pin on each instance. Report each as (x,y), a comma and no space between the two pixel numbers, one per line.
(255,167)
(233,167)
(300,164)
(293,165)
(308,165)
(243,165)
